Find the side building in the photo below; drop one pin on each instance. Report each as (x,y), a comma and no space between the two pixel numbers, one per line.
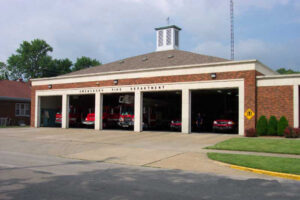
(14,103)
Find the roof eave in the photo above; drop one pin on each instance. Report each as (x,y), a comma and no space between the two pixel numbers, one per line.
(150,69)
(279,76)
(15,99)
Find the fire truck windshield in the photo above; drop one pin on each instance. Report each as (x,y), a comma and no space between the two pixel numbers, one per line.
(127,110)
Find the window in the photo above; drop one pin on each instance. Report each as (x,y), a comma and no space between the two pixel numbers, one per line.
(160,38)
(22,109)
(176,38)
(168,36)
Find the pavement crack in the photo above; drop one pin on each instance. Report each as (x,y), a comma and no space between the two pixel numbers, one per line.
(146,165)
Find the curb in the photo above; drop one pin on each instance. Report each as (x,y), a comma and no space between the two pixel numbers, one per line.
(270,173)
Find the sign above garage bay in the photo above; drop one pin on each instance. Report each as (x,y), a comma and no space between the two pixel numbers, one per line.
(123,89)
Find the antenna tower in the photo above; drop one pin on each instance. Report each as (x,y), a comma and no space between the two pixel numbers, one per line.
(231,30)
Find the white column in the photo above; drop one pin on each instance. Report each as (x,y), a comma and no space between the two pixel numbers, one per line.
(241,109)
(138,111)
(37,112)
(98,111)
(186,111)
(296,106)
(65,111)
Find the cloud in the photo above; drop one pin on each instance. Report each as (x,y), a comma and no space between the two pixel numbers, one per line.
(110,30)
(275,55)
(245,5)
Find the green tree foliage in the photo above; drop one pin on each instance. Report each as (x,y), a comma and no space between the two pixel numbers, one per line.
(262,125)
(272,126)
(58,67)
(286,71)
(3,71)
(282,124)
(85,62)
(31,60)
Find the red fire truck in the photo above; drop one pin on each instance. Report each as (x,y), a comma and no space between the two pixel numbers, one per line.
(74,117)
(110,117)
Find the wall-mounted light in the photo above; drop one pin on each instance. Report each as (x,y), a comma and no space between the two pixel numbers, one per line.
(116,82)
(213,75)
(49,86)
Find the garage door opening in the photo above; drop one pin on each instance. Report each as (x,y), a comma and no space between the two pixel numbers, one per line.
(50,107)
(162,111)
(82,111)
(118,111)
(215,111)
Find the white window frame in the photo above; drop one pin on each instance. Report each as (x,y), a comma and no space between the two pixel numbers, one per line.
(22,108)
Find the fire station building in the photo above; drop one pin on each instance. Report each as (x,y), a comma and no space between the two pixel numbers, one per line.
(168,89)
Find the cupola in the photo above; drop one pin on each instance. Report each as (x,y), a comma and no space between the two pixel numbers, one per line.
(167,38)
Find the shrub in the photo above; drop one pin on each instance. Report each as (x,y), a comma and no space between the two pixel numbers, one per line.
(262,125)
(290,132)
(282,124)
(272,126)
(251,132)
(297,131)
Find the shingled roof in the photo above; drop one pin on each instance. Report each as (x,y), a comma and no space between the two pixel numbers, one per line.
(14,90)
(151,60)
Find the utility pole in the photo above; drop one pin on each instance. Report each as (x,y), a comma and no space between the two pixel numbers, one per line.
(231,30)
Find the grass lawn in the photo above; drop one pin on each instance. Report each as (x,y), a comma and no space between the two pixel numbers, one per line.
(275,164)
(285,146)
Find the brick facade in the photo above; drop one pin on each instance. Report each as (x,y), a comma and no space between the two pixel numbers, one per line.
(248,76)
(7,110)
(277,101)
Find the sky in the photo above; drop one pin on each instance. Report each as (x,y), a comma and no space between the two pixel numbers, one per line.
(109,30)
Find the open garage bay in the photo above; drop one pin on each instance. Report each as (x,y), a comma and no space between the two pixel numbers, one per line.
(162,111)
(118,111)
(50,111)
(81,111)
(215,110)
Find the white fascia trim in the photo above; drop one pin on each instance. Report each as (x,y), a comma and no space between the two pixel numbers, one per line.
(153,72)
(278,80)
(262,68)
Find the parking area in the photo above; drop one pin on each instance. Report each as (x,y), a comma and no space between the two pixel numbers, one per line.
(169,150)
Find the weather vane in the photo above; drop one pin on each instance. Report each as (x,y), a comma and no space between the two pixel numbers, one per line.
(168,20)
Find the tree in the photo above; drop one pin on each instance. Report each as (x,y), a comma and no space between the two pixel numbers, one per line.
(58,67)
(85,62)
(4,73)
(31,60)
(286,71)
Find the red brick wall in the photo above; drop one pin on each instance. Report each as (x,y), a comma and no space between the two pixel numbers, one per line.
(7,110)
(248,76)
(277,101)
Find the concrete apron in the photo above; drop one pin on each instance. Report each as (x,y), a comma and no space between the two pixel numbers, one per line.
(149,149)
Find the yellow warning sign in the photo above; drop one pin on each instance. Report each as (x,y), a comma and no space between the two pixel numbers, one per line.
(249,114)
